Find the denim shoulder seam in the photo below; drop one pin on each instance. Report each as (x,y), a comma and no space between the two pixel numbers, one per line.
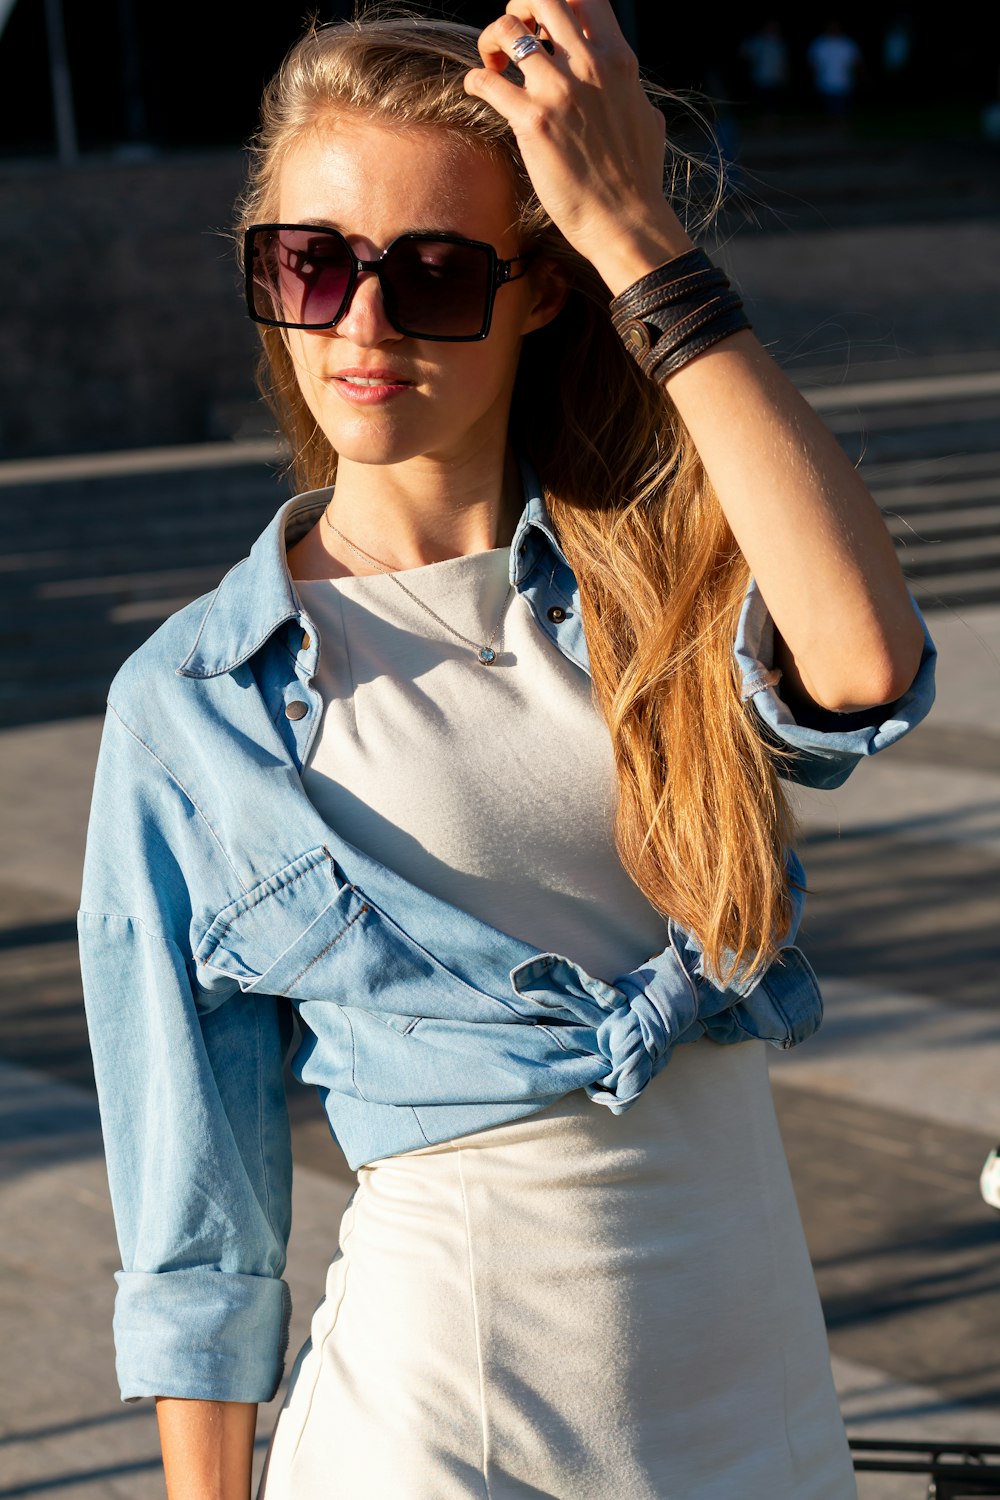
(125,916)
(177,781)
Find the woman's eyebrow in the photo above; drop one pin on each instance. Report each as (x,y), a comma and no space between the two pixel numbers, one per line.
(431,230)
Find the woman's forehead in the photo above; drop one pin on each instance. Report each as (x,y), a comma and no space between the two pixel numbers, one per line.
(347,170)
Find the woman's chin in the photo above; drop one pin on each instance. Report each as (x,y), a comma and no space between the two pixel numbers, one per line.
(383,443)
(377,443)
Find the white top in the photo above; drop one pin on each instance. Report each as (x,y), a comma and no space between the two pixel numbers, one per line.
(574,1303)
(492,787)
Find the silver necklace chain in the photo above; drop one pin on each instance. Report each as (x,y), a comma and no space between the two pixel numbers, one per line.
(485,651)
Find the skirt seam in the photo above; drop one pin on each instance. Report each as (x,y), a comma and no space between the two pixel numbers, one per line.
(765,1153)
(475,1326)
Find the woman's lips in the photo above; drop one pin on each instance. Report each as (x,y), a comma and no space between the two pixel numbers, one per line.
(368,388)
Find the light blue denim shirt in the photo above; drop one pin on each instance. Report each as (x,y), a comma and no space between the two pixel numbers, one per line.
(215,899)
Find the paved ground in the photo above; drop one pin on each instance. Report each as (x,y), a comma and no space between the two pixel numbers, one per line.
(887,1114)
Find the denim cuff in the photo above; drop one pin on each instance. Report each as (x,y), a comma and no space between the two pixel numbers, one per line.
(204,1334)
(831,744)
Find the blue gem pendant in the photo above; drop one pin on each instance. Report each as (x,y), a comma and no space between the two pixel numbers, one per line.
(487,655)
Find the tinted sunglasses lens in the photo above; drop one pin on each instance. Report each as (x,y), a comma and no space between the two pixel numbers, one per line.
(300,276)
(437,288)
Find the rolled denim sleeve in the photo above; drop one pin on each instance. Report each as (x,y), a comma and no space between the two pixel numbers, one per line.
(829,747)
(192,1105)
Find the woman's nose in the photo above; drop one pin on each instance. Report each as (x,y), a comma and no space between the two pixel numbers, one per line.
(365,321)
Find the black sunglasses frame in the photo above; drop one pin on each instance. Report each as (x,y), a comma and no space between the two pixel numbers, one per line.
(500,273)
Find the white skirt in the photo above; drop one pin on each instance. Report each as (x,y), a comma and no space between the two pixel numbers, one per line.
(576,1306)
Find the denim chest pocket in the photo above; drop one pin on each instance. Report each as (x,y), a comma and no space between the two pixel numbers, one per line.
(307,934)
(273,938)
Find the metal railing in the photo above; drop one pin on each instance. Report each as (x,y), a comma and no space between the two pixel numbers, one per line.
(954,1471)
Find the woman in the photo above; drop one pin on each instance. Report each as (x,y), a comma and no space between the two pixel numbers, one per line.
(461,763)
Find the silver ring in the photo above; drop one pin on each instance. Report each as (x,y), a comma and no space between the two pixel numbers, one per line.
(524,46)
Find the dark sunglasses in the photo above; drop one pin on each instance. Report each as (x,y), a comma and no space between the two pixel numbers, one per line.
(437,286)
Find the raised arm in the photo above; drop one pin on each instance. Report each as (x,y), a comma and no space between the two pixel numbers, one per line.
(813,537)
(811,533)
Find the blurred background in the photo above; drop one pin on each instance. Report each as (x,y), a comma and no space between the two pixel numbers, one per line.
(860,156)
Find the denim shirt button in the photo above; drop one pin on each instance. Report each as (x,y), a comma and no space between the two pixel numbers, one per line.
(556,614)
(296,709)
(306,640)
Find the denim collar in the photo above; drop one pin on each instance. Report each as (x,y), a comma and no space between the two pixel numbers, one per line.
(257,596)
(535,523)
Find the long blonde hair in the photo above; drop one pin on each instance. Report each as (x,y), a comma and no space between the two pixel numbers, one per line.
(702,821)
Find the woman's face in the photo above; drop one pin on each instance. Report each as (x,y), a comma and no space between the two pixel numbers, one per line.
(374,183)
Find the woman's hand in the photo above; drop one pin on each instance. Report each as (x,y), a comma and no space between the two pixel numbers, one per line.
(591,140)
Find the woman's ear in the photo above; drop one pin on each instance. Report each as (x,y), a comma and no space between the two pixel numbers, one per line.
(551,288)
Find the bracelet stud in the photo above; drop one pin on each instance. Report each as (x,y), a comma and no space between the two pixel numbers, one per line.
(635,337)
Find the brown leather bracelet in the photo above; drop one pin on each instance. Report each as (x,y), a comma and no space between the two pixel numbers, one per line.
(664,280)
(713,333)
(640,299)
(686,264)
(687,294)
(675,312)
(677,336)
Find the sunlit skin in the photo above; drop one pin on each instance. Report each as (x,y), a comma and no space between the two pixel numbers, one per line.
(421,476)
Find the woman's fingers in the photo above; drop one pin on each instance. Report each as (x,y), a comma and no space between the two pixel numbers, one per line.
(496,43)
(591,140)
(573,29)
(586,31)
(593,20)
(507,98)
(555,17)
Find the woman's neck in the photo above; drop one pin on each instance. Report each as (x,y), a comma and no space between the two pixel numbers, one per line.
(407,515)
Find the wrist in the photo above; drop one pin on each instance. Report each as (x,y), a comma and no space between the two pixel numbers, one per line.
(675,312)
(631,254)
